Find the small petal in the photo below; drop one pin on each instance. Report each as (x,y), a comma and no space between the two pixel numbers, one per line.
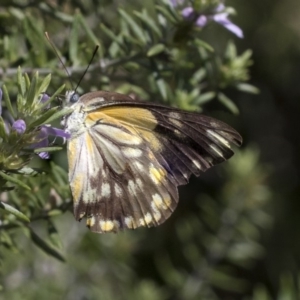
(175,3)
(187,12)
(19,126)
(44,155)
(55,132)
(44,98)
(201,21)
(219,8)
(223,20)
(43,137)
(45,131)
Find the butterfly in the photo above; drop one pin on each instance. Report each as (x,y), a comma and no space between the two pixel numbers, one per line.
(127,157)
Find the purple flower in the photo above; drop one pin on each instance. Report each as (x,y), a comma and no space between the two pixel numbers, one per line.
(19,126)
(187,12)
(201,21)
(222,18)
(45,98)
(44,133)
(219,15)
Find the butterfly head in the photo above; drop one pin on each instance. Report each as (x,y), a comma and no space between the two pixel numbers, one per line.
(72,97)
(73,122)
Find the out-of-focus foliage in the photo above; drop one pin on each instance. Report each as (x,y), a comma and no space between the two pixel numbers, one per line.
(219,242)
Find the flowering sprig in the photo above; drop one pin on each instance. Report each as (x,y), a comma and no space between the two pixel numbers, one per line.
(26,127)
(218,14)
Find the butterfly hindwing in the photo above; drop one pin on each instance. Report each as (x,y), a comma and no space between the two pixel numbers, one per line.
(126,162)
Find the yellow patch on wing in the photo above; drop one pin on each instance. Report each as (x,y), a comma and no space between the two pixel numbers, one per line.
(157,175)
(151,138)
(139,121)
(72,152)
(89,143)
(77,181)
(90,221)
(159,203)
(107,225)
(139,117)
(124,114)
(76,186)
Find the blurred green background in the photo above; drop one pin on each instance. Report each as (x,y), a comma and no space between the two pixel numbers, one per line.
(235,233)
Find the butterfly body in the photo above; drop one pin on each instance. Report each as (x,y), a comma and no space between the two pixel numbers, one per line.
(127,157)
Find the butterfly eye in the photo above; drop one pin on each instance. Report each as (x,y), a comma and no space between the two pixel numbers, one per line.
(74,98)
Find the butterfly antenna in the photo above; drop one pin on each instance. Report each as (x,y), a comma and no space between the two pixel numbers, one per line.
(59,57)
(90,62)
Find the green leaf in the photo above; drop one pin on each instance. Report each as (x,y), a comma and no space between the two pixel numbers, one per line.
(145,18)
(73,43)
(91,34)
(14,211)
(167,14)
(136,29)
(59,173)
(21,82)
(34,32)
(14,180)
(27,81)
(288,289)
(222,279)
(198,76)
(47,149)
(228,103)
(45,246)
(261,293)
(30,171)
(59,114)
(6,240)
(205,97)
(112,36)
(248,88)
(44,85)
(156,49)
(204,45)
(57,92)
(162,86)
(54,236)
(3,134)
(44,117)
(31,94)
(8,102)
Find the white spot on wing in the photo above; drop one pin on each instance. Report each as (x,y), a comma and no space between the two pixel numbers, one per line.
(139,183)
(118,190)
(218,137)
(132,187)
(217,150)
(139,166)
(147,220)
(132,152)
(129,221)
(196,163)
(105,190)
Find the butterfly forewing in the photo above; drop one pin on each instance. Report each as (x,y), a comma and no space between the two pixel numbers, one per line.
(127,158)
